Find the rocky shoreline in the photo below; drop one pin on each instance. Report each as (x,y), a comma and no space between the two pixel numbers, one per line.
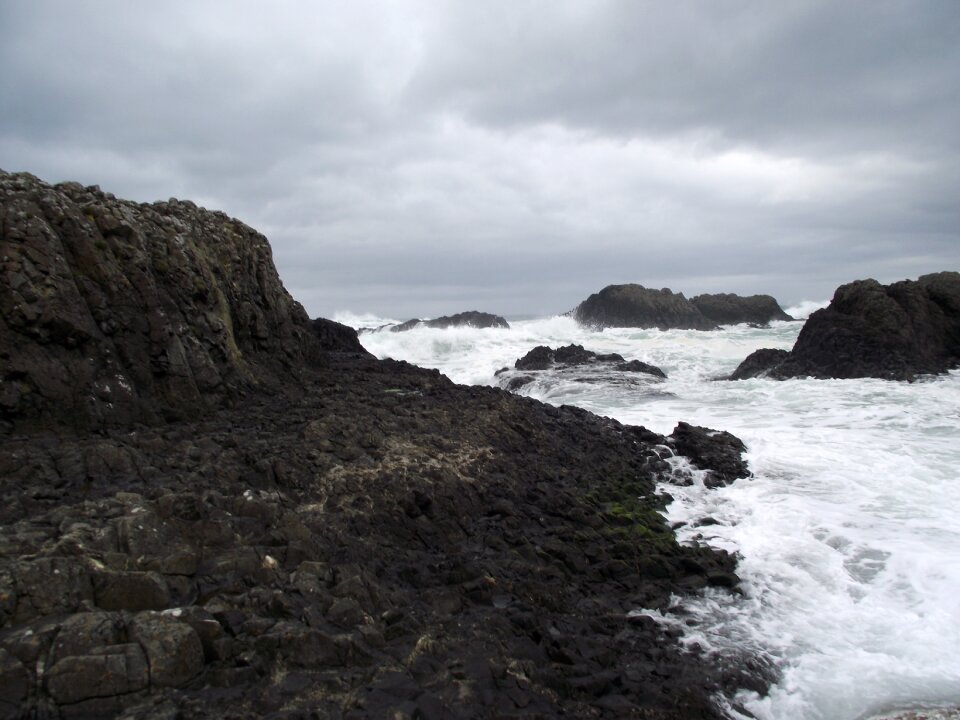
(216,507)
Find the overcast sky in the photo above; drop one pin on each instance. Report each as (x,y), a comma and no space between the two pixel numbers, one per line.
(422,158)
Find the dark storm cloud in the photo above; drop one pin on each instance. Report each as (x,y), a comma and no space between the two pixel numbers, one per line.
(851,75)
(421,158)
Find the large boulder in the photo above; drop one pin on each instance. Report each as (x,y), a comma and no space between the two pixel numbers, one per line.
(893,332)
(114,312)
(636,306)
(731,309)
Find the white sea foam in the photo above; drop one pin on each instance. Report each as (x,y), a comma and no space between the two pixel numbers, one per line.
(847,533)
(805,308)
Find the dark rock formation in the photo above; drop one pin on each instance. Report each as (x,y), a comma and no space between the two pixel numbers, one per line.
(893,332)
(328,534)
(730,309)
(544,358)
(471,318)
(113,312)
(637,306)
(572,362)
(759,363)
(718,452)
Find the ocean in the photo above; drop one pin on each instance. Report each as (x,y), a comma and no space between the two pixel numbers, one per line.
(848,533)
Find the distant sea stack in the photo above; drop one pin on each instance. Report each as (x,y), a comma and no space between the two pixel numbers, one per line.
(471,318)
(892,332)
(730,309)
(636,306)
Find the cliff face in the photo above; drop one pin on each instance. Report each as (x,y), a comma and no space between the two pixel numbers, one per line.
(114,312)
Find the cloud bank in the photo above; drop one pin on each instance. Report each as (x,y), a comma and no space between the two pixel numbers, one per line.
(421,158)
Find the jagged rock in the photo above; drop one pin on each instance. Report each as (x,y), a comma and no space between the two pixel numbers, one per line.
(636,306)
(718,452)
(731,309)
(334,534)
(571,359)
(545,358)
(114,312)
(892,332)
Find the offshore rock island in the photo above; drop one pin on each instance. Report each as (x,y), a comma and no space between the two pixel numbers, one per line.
(214,506)
(632,305)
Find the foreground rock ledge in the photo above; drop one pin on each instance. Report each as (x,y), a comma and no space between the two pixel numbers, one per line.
(282,526)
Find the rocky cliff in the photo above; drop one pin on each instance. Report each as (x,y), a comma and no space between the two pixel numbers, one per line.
(211,506)
(893,332)
(113,312)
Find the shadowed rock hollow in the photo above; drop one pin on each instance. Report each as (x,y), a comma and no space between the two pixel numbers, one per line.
(215,507)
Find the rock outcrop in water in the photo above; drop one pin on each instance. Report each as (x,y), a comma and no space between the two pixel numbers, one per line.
(570,359)
(636,306)
(893,332)
(211,506)
(471,318)
(730,309)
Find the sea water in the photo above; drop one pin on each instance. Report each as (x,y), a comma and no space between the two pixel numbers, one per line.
(848,533)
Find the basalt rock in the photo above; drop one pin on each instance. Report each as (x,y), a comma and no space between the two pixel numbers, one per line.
(636,306)
(730,309)
(471,318)
(364,539)
(574,362)
(114,312)
(893,332)
(568,356)
(718,452)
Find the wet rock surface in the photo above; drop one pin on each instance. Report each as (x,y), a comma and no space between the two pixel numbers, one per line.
(328,535)
(636,306)
(731,309)
(550,366)
(718,452)
(892,332)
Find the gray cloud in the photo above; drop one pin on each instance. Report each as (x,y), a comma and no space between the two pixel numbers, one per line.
(428,157)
